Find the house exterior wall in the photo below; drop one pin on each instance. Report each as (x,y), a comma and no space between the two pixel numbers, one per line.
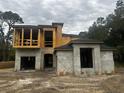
(107,62)
(39,57)
(28,52)
(64,62)
(96,59)
(69,61)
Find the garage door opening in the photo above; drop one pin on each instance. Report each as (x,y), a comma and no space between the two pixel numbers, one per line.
(27,63)
(86,58)
(48,61)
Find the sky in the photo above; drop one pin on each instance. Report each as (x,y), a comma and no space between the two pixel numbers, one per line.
(77,15)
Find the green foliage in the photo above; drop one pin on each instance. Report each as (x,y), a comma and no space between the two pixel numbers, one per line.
(11,18)
(111,30)
(98,30)
(6,38)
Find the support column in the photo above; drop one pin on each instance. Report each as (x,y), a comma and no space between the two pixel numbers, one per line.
(76,61)
(17,61)
(38,60)
(97,60)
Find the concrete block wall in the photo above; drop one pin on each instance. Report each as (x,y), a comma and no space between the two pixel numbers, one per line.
(107,62)
(76,60)
(64,62)
(69,61)
(96,59)
(28,52)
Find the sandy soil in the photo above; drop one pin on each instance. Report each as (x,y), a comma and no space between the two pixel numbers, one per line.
(44,82)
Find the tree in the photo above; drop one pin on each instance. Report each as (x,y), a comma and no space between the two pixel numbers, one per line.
(119,11)
(111,29)
(10,19)
(116,37)
(98,30)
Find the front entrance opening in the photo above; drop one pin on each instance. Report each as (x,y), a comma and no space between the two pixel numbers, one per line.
(48,61)
(27,63)
(86,58)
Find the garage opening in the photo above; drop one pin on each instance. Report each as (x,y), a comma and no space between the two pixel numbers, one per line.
(27,63)
(86,58)
(48,61)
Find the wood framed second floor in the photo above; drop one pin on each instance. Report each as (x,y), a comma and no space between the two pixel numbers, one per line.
(41,36)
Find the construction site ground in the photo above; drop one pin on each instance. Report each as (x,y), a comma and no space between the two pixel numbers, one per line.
(49,82)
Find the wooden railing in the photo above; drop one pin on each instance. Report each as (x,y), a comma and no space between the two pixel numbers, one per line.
(48,43)
(26,42)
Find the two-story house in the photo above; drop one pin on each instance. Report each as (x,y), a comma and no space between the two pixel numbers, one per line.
(44,46)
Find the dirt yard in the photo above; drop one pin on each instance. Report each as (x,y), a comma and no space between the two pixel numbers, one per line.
(41,82)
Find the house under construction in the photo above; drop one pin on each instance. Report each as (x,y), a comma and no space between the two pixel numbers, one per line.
(44,47)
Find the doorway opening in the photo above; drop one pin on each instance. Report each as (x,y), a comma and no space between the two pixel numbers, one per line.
(48,61)
(86,58)
(27,63)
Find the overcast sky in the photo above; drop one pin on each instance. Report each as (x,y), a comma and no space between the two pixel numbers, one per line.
(77,15)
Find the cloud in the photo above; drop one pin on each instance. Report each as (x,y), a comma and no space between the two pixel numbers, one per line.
(77,15)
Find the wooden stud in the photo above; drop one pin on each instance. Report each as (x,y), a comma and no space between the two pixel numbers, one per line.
(43,38)
(39,37)
(22,36)
(14,37)
(54,39)
(18,38)
(30,37)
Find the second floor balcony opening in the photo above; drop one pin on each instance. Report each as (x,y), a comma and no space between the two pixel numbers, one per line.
(30,37)
(48,38)
(26,37)
(27,40)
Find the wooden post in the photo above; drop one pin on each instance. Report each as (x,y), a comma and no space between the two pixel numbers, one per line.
(18,38)
(14,38)
(39,37)
(54,39)
(22,36)
(30,37)
(43,38)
